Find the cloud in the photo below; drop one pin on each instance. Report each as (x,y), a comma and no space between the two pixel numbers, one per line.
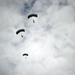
(50,41)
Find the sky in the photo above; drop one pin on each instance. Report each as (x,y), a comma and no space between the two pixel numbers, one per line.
(49,42)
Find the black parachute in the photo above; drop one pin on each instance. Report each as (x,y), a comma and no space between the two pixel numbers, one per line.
(20,30)
(32,15)
(25,54)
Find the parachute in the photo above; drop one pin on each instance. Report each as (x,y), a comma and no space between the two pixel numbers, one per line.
(32,15)
(20,30)
(25,54)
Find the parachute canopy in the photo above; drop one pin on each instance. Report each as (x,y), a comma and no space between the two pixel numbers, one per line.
(25,54)
(32,15)
(20,30)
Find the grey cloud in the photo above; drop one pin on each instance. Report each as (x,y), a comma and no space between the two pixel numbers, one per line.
(27,6)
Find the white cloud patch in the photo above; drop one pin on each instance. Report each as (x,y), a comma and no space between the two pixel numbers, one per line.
(49,42)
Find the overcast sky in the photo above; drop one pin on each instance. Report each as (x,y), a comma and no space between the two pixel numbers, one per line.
(49,42)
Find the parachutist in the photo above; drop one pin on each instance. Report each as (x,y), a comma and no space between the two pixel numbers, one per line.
(25,54)
(32,15)
(21,35)
(20,30)
(33,21)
